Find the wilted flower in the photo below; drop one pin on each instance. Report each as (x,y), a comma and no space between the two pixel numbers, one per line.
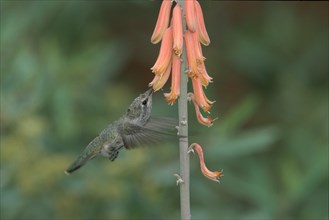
(199,95)
(162,22)
(208,121)
(213,175)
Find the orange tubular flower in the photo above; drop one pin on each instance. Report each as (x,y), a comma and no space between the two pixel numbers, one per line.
(202,32)
(202,120)
(161,81)
(177,29)
(207,173)
(197,48)
(190,54)
(204,77)
(200,97)
(190,15)
(175,81)
(165,53)
(162,22)
(155,79)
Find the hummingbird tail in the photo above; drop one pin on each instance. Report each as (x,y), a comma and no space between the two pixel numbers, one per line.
(88,154)
(73,168)
(78,163)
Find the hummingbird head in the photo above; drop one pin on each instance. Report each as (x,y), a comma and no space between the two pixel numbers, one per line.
(139,110)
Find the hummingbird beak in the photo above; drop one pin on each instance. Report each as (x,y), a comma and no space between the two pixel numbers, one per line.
(149,92)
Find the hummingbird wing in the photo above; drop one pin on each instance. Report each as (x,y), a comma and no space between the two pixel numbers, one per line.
(154,131)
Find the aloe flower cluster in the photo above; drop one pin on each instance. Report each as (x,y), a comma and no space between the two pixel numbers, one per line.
(169,61)
(173,36)
(170,51)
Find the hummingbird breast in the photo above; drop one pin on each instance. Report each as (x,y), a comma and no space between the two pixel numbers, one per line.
(112,141)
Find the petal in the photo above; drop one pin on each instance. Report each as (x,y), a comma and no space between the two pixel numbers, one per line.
(163,79)
(162,22)
(213,175)
(199,95)
(197,49)
(202,32)
(177,29)
(165,53)
(190,15)
(202,120)
(190,54)
(175,81)
(205,78)
(155,79)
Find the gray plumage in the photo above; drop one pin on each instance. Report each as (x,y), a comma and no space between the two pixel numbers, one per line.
(133,129)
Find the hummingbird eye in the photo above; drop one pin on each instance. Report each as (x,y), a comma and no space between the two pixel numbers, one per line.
(144,102)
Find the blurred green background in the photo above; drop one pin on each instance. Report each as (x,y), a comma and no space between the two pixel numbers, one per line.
(68,68)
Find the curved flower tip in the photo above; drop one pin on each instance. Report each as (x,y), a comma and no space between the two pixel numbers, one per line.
(162,22)
(171,97)
(205,78)
(159,82)
(208,121)
(199,95)
(155,79)
(213,175)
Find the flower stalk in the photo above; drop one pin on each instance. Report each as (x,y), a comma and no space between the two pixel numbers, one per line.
(184,157)
(181,55)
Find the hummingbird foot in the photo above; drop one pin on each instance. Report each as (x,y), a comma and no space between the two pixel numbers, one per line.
(114,155)
(179,179)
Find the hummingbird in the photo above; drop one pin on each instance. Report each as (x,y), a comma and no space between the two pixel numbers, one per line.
(136,127)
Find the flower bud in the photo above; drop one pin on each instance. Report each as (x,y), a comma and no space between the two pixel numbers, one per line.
(162,22)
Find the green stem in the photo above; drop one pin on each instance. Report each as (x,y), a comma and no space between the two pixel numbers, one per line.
(183,131)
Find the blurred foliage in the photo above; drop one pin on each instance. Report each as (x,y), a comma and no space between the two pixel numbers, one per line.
(68,68)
